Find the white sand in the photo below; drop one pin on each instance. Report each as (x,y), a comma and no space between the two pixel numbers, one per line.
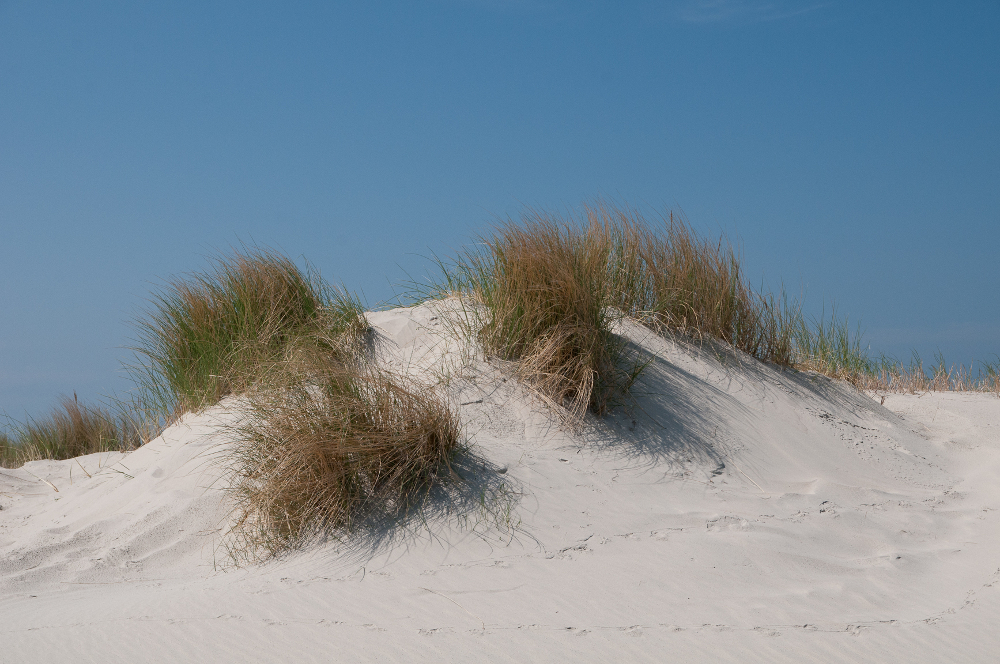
(738,514)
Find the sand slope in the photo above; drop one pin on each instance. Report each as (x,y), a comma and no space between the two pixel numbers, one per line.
(735,513)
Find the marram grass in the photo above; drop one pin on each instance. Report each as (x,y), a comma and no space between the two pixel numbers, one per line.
(205,334)
(70,430)
(326,440)
(545,291)
(324,437)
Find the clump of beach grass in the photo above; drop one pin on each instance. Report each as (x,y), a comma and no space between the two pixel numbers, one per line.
(205,333)
(329,438)
(666,276)
(70,430)
(830,347)
(543,293)
(542,290)
(547,290)
(323,437)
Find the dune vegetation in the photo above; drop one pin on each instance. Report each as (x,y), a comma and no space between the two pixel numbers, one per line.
(545,291)
(71,430)
(326,434)
(325,439)
(207,335)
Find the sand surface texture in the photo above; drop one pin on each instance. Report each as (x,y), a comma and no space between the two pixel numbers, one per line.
(735,513)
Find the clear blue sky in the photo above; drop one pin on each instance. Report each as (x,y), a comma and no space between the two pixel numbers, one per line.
(854,147)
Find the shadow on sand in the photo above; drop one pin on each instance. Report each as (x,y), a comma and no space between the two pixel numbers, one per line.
(674,421)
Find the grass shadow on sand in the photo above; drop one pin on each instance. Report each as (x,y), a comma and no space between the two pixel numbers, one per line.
(679,420)
(675,420)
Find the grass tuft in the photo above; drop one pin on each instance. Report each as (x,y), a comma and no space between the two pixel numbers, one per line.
(326,439)
(206,334)
(550,289)
(666,276)
(831,347)
(71,430)
(544,290)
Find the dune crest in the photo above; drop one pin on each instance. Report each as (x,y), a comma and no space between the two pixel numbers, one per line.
(733,512)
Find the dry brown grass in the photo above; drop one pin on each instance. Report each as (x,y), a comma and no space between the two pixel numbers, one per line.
(71,430)
(324,436)
(326,439)
(550,289)
(541,288)
(892,376)
(553,286)
(548,311)
(668,277)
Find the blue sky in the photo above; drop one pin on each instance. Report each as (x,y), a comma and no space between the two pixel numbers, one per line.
(852,147)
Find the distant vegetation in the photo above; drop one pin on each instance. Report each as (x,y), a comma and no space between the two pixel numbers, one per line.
(71,430)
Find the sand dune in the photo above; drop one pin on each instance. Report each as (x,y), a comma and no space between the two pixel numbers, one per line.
(733,513)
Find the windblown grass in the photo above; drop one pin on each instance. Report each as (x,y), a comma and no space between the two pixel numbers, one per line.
(324,436)
(544,290)
(71,430)
(666,276)
(550,290)
(829,347)
(205,334)
(328,438)
(832,347)
(890,375)
(8,452)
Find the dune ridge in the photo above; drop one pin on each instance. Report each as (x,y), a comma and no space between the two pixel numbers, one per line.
(735,512)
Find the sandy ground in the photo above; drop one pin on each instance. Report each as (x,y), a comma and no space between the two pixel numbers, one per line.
(734,513)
